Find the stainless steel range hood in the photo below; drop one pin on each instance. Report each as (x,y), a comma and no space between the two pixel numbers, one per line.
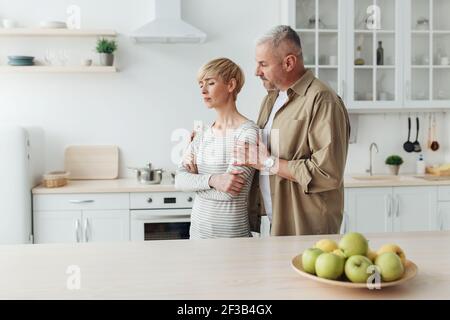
(168,27)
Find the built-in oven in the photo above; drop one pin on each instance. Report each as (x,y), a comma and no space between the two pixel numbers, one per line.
(160,216)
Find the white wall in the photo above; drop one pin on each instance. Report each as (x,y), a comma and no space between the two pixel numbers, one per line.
(155,92)
(390,132)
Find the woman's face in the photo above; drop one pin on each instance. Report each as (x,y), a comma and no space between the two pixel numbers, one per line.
(215,92)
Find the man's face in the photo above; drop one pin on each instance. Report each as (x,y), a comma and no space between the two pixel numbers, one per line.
(268,66)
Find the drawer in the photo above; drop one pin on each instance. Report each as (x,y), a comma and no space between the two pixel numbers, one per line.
(444,193)
(161,200)
(79,201)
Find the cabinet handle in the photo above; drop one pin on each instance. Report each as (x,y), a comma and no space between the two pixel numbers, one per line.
(343,90)
(408,90)
(86,226)
(440,220)
(81,201)
(397,206)
(77,230)
(388,205)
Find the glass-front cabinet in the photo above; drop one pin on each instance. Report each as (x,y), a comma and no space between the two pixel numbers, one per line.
(427,46)
(321,30)
(377,54)
(373,58)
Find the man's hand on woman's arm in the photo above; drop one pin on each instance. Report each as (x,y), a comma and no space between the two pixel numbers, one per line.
(255,156)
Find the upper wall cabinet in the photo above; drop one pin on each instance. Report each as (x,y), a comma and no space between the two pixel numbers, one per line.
(321,28)
(373,57)
(427,49)
(377,54)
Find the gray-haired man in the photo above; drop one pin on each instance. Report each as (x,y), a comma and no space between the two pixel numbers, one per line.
(306,128)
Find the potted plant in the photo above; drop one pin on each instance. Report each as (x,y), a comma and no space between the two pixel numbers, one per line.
(106,50)
(394,162)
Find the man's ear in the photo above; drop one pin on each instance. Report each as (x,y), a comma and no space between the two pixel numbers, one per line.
(290,62)
(232,85)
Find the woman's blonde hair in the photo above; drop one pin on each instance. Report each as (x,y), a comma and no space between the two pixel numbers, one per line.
(226,70)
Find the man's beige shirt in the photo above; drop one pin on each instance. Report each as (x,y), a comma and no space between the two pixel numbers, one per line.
(311,131)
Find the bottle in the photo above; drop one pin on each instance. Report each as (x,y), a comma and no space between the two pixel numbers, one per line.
(420,165)
(380,54)
(359,61)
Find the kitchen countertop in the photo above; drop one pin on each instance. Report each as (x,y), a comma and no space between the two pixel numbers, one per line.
(132,185)
(248,268)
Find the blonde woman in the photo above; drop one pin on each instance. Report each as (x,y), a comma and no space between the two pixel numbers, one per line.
(220,207)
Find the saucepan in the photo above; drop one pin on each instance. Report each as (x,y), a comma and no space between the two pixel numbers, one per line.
(147,175)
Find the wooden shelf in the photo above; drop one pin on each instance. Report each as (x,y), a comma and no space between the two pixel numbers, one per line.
(42,32)
(57,69)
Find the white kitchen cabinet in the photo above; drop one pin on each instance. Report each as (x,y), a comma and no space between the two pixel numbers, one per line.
(414,208)
(427,49)
(370,209)
(106,226)
(321,29)
(414,34)
(61,218)
(81,226)
(443,217)
(373,83)
(57,226)
(394,209)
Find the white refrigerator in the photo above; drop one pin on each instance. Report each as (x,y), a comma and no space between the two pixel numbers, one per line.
(21,166)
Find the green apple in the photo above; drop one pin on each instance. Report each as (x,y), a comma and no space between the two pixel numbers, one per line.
(353,244)
(356,268)
(309,259)
(395,249)
(391,266)
(329,266)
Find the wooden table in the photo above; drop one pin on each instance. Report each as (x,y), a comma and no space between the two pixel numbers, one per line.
(206,269)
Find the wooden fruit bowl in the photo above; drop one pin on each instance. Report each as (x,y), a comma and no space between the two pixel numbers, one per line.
(410,272)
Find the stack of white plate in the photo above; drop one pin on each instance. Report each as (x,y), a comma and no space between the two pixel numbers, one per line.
(53,25)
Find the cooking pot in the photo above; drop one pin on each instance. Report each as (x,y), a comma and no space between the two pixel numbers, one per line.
(147,175)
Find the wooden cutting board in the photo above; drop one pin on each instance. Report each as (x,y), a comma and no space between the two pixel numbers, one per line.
(92,162)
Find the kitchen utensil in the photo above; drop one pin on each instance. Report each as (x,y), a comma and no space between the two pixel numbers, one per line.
(410,272)
(55,179)
(434,144)
(417,147)
(147,175)
(408,146)
(92,162)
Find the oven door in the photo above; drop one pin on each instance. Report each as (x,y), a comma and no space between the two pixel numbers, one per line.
(163,224)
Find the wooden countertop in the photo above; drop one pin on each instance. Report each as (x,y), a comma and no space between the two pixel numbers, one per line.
(131,185)
(250,268)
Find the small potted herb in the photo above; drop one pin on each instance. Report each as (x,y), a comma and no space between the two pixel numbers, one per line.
(394,162)
(106,49)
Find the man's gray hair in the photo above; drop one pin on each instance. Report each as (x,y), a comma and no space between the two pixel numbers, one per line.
(280,34)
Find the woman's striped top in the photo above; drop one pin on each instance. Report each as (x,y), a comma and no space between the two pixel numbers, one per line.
(217,214)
